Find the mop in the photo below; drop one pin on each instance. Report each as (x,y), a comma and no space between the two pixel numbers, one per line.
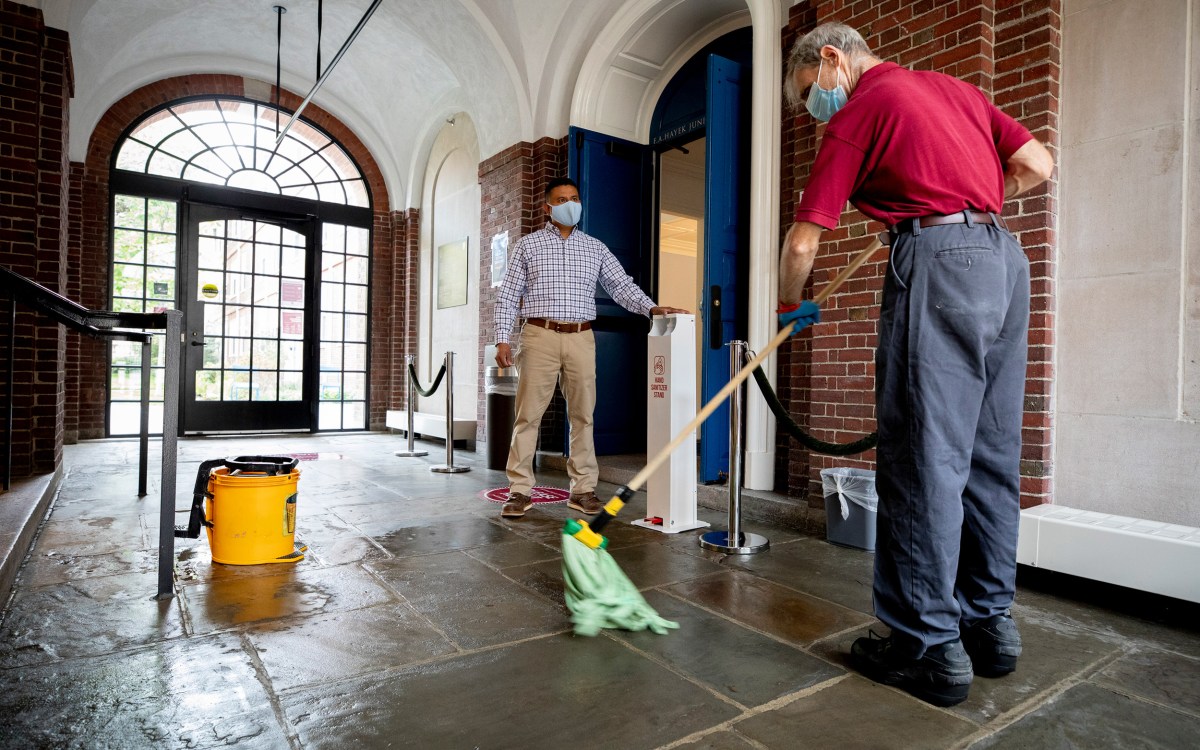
(598,593)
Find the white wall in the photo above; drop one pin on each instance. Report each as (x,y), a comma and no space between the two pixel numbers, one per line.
(1128,385)
(451,212)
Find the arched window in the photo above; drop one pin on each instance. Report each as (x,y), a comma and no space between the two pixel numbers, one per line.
(265,250)
(231,142)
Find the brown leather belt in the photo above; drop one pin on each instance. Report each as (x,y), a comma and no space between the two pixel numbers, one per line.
(921,222)
(557,327)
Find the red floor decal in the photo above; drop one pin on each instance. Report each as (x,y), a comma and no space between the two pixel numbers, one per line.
(538,495)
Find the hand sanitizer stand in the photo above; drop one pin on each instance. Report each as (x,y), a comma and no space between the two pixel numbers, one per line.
(670,406)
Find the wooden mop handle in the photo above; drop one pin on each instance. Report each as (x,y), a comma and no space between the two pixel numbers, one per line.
(640,478)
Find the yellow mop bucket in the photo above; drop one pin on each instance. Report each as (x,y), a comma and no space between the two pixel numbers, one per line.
(250,511)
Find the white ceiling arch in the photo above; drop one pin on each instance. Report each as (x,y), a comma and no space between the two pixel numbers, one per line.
(414,62)
(638,52)
(522,69)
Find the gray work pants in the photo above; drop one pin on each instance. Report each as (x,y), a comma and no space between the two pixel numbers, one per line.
(950,382)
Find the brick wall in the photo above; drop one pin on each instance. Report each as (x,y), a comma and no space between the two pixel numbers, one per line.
(406,288)
(35,88)
(511,186)
(1028,64)
(389,310)
(827,376)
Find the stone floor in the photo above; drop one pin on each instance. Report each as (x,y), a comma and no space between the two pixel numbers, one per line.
(421,619)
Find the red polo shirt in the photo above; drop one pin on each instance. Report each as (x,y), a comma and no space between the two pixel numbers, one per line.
(911,143)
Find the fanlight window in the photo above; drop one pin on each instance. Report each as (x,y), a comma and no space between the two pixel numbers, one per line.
(231,142)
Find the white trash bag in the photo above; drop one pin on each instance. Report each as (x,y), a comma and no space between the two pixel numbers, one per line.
(854,485)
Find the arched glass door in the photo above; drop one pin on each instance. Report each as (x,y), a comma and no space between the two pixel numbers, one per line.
(247,365)
(270,247)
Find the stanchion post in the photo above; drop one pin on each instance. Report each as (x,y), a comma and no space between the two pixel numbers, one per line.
(170,455)
(409,361)
(449,467)
(734,541)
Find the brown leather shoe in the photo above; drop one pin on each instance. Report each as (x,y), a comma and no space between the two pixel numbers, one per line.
(516,506)
(585,502)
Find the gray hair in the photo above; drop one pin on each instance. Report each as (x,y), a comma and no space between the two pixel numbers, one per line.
(806,52)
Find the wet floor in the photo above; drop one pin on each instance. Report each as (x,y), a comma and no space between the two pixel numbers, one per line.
(421,619)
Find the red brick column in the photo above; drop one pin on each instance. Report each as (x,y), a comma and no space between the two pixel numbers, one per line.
(1028,69)
(35,90)
(827,376)
(511,186)
(388,316)
(406,287)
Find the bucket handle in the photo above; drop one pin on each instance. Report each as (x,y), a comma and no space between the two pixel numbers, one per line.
(197,519)
(269,465)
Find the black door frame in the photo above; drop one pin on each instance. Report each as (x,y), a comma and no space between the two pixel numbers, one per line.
(249,416)
(262,206)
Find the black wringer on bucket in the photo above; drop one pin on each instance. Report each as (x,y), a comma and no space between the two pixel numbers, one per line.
(250,511)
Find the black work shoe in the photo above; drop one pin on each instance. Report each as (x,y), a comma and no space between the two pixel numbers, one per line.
(585,502)
(516,506)
(941,677)
(994,645)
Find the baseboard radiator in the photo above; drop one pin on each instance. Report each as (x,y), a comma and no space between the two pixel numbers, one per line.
(1160,558)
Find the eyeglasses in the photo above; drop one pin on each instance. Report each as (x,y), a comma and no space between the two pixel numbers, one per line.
(563,199)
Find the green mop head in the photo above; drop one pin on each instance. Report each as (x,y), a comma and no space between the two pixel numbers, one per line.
(598,594)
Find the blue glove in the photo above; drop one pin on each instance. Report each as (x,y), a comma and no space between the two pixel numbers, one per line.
(800,318)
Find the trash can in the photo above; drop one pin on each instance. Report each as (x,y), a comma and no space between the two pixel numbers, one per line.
(851,505)
(500,389)
(248,505)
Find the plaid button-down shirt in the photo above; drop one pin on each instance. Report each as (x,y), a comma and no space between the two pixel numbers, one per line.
(554,277)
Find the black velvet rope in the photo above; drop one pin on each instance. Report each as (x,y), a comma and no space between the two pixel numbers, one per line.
(865,443)
(437,380)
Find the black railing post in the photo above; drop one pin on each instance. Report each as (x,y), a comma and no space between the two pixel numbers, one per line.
(144,435)
(170,448)
(8,428)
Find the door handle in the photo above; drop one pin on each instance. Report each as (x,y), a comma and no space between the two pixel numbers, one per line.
(196,343)
(714,317)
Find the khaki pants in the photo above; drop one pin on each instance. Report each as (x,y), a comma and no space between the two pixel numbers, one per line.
(545,357)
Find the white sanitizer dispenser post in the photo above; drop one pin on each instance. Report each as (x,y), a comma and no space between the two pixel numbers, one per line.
(670,406)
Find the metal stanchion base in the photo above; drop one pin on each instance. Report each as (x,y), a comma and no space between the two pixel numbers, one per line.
(406,454)
(748,543)
(447,469)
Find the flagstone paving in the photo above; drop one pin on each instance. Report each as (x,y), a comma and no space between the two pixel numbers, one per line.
(419,618)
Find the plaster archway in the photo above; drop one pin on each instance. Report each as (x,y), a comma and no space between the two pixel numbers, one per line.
(451,212)
(638,52)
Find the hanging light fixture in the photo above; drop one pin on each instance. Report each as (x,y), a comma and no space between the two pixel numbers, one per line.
(279,11)
(324,74)
(320,14)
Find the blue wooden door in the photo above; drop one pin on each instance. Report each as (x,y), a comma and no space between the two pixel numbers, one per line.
(726,248)
(614,179)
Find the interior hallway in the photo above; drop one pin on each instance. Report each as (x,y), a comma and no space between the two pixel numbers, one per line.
(421,619)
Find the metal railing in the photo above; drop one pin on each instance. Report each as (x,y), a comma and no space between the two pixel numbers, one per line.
(121,326)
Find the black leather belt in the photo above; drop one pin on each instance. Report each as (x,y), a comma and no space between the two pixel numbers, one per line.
(558,327)
(921,222)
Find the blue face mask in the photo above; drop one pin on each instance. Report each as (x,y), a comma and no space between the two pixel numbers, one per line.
(567,214)
(823,104)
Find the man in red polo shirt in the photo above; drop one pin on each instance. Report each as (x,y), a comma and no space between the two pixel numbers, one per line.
(933,159)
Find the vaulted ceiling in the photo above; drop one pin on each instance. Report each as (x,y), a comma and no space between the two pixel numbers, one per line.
(512,65)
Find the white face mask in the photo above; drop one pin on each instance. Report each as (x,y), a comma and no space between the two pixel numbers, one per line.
(567,214)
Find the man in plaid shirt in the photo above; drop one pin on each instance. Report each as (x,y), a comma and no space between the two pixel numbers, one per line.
(551,280)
